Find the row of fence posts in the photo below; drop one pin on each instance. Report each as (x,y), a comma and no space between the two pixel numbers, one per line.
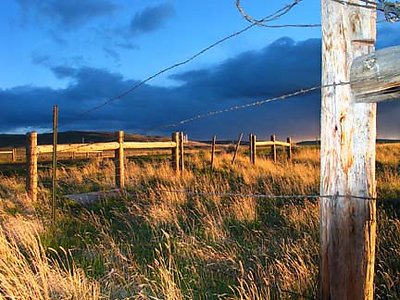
(253,148)
(120,158)
(177,154)
(177,158)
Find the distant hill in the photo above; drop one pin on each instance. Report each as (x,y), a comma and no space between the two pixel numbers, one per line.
(70,137)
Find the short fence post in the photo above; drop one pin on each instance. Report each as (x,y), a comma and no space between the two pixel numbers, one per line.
(31,162)
(181,151)
(120,162)
(253,143)
(289,148)
(14,155)
(175,151)
(273,147)
(213,151)
(251,148)
(54,177)
(237,148)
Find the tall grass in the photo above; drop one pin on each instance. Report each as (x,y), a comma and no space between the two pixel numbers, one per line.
(155,241)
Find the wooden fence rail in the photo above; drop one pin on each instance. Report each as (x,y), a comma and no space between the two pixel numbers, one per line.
(253,144)
(33,151)
(13,153)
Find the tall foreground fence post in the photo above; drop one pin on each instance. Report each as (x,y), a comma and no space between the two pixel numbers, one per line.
(175,151)
(31,166)
(120,162)
(348,133)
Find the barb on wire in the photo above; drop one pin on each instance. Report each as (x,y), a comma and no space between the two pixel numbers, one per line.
(248,105)
(391,10)
(261,22)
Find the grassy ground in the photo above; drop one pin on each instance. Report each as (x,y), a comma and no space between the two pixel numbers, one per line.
(151,243)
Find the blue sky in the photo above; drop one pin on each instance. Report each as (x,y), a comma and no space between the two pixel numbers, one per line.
(77,54)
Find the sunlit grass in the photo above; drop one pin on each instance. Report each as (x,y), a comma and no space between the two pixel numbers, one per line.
(157,242)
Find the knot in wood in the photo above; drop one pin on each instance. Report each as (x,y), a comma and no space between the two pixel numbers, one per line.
(370,63)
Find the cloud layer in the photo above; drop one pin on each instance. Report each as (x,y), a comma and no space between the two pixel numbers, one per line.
(280,68)
(68,14)
(151,18)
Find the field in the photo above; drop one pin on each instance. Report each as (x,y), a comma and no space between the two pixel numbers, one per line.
(156,241)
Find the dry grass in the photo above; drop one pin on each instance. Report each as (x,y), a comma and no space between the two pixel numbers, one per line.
(157,242)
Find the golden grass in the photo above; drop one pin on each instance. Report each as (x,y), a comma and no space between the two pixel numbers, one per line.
(158,242)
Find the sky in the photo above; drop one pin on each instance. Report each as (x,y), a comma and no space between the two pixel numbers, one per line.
(79,54)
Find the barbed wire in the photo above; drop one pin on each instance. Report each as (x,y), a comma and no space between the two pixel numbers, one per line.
(263,196)
(277,14)
(261,22)
(248,105)
(391,10)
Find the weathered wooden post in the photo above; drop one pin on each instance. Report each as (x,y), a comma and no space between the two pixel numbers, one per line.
(181,151)
(120,162)
(237,148)
(375,77)
(289,148)
(273,147)
(175,151)
(31,166)
(54,175)
(348,133)
(253,148)
(14,155)
(250,148)
(213,151)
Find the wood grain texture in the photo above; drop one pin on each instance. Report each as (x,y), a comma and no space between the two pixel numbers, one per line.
(375,77)
(348,132)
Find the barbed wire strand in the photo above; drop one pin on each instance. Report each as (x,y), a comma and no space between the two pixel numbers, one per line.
(265,196)
(261,22)
(248,105)
(277,14)
(391,10)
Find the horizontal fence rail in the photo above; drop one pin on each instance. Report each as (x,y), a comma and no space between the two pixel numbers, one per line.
(178,145)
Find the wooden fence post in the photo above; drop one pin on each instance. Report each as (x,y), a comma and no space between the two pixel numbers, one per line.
(289,148)
(213,151)
(120,162)
(253,148)
(348,134)
(273,147)
(237,148)
(14,155)
(31,166)
(182,151)
(175,151)
(54,175)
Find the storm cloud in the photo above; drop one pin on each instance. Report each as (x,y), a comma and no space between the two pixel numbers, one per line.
(151,18)
(280,68)
(68,14)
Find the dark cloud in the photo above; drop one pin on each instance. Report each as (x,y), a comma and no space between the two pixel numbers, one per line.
(151,18)
(69,14)
(280,68)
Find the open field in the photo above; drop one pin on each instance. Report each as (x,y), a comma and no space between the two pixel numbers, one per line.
(157,242)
